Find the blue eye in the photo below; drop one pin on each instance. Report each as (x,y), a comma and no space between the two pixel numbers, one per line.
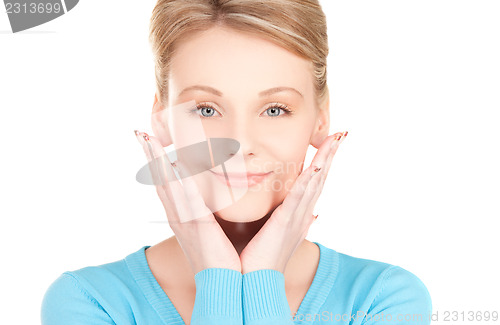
(273,111)
(276,107)
(207,110)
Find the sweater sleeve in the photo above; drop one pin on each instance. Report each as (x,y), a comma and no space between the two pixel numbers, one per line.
(66,302)
(218,297)
(402,299)
(264,298)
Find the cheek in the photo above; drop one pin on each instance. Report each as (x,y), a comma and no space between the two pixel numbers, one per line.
(283,181)
(294,132)
(290,148)
(289,159)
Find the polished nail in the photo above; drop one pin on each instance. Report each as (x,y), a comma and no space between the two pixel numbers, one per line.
(138,137)
(335,141)
(343,136)
(315,170)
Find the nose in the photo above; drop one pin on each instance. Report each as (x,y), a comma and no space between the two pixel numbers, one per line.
(244,132)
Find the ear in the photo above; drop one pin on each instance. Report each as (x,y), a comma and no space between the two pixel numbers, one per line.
(322,126)
(159,123)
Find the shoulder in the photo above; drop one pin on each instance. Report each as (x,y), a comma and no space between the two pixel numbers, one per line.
(401,295)
(374,288)
(90,295)
(381,278)
(66,297)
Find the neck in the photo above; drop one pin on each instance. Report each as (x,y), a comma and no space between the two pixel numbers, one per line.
(240,233)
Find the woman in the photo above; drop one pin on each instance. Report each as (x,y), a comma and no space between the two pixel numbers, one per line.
(253,74)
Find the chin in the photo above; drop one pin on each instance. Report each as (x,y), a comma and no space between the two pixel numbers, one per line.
(251,204)
(236,213)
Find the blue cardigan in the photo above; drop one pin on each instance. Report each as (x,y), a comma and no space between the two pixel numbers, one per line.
(345,290)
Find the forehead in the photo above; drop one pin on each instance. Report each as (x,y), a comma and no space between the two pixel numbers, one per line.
(238,63)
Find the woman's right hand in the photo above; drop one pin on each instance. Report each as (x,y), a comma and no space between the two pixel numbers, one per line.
(201,238)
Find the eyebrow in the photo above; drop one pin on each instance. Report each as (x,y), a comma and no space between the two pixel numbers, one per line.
(263,93)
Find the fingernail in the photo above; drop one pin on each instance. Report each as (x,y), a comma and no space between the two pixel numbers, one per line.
(177,166)
(146,137)
(315,170)
(343,136)
(138,137)
(335,141)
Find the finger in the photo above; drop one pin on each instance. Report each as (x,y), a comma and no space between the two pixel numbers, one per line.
(320,159)
(333,150)
(168,188)
(310,207)
(186,195)
(313,190)
(155,155)
(295,195)
(322,154)
(177,192)
(159,162)
(199,210)
(308,197)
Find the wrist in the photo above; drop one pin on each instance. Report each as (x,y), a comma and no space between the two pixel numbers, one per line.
(264,297)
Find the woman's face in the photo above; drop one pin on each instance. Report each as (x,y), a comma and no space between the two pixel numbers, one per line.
(253,91)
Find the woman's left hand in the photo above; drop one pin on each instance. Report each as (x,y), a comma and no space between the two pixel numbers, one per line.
(284,231)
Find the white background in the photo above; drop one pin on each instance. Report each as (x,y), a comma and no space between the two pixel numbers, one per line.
(415,183)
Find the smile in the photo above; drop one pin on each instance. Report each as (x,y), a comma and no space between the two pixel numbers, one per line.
(241,179)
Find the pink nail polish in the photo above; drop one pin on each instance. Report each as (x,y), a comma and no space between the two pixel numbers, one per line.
(315,170)
(343,136)
(335,141)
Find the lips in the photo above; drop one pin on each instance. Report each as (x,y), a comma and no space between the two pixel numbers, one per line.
(241,175)
(241,179)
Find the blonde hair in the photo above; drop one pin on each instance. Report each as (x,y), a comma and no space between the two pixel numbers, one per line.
(296,25)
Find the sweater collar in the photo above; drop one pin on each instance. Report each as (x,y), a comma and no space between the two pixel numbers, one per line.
(315,297)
